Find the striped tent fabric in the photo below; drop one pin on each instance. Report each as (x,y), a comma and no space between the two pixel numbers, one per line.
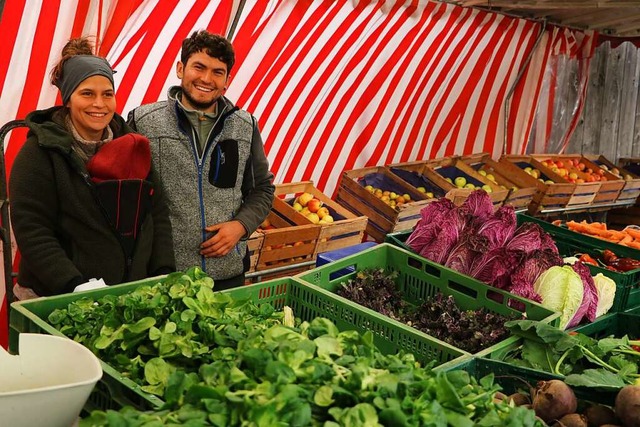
(335,84)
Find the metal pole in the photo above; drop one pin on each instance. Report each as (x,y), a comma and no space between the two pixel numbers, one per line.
(5,230)
(236,18)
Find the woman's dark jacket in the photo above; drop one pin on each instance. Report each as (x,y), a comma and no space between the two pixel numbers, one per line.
(63,234)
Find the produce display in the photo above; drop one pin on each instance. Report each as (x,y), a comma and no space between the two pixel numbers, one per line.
(216,361)
(609,260)
(617,172)
(630,236)
(312,208)
(556,403)
(573,170)
(605,364)
(524,260)
(440,317)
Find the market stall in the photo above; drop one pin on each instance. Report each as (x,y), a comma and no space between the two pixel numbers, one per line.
(446,158)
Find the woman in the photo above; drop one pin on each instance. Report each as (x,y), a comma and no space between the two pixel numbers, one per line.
(85,202)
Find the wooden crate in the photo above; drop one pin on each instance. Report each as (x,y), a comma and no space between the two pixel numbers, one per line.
(383,219)
(454,166)
(288,243)
(347,229)
(631,189)
(519,197)
(610,185)
(413,173)
(254,244)
(556,195)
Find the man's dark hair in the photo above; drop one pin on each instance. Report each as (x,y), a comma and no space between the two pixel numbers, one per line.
(213,45)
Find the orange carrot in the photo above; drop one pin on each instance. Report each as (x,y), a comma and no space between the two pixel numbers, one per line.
(633,232)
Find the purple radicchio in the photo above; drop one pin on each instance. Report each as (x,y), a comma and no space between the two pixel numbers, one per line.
(529,269)
(494,266)
(547,242)
(589,297)
(527,238)
(499,227)
(478,204)
(451,228)
(428,226)
(462,255)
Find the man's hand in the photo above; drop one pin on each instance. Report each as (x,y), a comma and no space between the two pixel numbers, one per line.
(224,237)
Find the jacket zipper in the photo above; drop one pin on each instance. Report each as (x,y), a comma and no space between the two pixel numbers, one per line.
(128,259)
(199,161)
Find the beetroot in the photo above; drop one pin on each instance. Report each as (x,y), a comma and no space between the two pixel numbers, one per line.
(553,400)
(628,405)
(573,420)
(598,415)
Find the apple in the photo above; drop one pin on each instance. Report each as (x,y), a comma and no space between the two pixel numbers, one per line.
(314,204)
(393,195)
(313,217)
(573,175)
(449,180)
(559,164)
(429,195)
(422,189)
(406,197)
(322,212)
(304,198)
(297,206)
(487,188)
(581,166)
(470,186)
(328,219)
(547,181)
(528,169)
(482,172)
(490,177)
(460,181)
(369,188)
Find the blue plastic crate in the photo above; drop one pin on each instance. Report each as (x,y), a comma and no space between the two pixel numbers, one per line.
(330,256)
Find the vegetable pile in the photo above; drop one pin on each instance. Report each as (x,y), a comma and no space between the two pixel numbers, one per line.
(608,363)
(609,260)
(630,236)
(217,361)
(555,402)
(440,317)
(523,260)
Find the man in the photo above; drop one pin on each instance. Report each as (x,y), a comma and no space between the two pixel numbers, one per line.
(211,159)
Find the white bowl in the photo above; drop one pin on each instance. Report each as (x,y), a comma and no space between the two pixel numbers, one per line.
(47,383)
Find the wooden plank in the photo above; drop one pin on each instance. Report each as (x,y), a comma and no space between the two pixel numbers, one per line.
(611,103)
(628,103)
(587,134)
(635,143)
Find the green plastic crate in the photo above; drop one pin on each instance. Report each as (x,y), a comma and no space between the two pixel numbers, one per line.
(420,279)
(614,324)
(114,391)
(570,242)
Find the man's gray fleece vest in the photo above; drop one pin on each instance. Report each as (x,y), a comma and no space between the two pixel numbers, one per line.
(194,201)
